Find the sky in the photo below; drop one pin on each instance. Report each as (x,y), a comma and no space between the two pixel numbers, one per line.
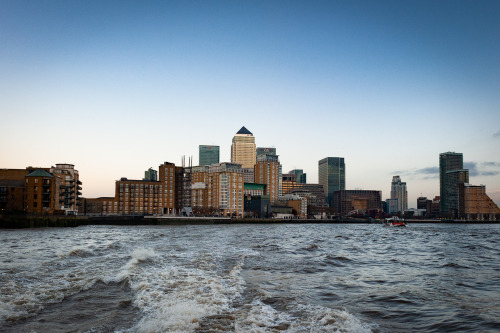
(116,87)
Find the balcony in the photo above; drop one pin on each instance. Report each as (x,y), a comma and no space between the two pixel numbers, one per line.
(79,182)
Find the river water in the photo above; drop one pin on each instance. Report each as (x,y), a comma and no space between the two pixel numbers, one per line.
(251,278)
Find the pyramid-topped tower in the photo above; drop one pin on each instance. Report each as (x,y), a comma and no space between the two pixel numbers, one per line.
(243,148)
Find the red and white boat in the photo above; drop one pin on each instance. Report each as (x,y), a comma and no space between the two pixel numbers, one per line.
(394,222)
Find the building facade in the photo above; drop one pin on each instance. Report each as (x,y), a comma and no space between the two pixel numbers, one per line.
(301,177)
(449,161)
(47,191)
(209,155)
(398,191)
(70,186)
(243,149)
(218,190)
(359,201)
(392,206)
(267,171)
(452,181)
(476,205)
(331,174)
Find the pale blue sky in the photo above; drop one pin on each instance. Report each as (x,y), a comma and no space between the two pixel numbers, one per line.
(116,87)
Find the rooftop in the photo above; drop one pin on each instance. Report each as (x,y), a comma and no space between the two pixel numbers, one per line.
(243,130)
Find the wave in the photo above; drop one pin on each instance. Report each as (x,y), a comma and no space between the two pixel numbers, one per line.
(262,317)
(176,299)
(75,252)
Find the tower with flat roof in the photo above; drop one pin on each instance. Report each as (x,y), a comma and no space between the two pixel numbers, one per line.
(451,173)
(331,174)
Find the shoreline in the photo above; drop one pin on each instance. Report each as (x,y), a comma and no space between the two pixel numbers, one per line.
(22,221)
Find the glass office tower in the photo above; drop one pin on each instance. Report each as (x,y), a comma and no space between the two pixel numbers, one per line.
(209,155)
(331,174)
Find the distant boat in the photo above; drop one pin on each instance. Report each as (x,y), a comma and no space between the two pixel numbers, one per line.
(394,222)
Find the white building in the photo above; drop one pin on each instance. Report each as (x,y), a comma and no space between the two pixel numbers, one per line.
(398,191)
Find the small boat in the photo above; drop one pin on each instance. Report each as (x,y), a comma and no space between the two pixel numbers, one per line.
(394,222)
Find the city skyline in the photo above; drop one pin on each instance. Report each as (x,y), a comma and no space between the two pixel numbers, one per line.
(115,87)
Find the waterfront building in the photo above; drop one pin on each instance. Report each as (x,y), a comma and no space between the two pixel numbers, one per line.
(435,207)
(452,181)
(145,197)
(331,174)
(475,204)
(218,189)
(297,202)
(243,149)
(226,189)
(54,190)
(267,171)
(69,187)
(392,206)
(359,201)
(101,206)
(449,161)
(12,190)
(301,177)
(314,192)
(424,203)
(398,191)
(257,206)
(208,155)
(183,189)
(42,194)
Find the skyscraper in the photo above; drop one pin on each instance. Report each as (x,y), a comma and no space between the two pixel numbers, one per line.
(301,177)
(448,188)
(331,174)
(398,191)
(265,151)
(208,155)
(243,148)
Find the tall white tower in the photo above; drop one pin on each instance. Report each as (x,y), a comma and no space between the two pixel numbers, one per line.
(398,191)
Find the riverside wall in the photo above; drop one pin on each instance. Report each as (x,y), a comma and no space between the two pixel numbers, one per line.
(23,221)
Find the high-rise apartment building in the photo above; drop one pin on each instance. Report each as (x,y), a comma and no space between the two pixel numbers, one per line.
(243,149)
(218,189)
(208,155)
(449,161)
(268,171)
(398,191)
(452,181)
(331,174)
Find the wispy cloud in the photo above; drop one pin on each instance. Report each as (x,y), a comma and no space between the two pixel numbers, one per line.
(485,169)
(490,164)
(428,171)
(472,166)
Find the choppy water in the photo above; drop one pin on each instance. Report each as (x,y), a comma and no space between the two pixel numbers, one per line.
(251,278)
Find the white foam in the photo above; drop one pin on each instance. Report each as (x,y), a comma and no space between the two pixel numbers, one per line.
(301,318)
(175,299)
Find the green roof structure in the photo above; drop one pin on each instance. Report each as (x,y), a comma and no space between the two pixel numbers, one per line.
(40,173)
